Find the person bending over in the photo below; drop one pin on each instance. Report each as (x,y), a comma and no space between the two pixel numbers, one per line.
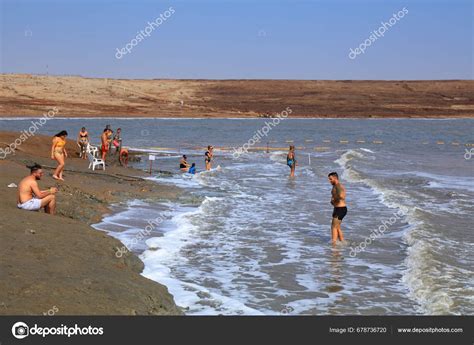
(123,157)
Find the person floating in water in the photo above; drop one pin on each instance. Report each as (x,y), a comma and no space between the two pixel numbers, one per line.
(183,164)
(209,154)
(192,169)
(338,200)
(291,160)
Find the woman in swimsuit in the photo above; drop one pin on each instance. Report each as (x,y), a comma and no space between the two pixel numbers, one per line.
(291,160)
(110,137)
(82,141)
(208,158)
(183,164)
(59,153)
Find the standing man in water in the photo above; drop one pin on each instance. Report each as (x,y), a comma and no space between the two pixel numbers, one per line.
(338,200)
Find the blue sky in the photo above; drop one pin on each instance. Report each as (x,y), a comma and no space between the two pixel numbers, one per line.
(238,39)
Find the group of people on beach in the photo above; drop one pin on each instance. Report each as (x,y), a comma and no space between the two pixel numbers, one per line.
(108,141)
(31,198)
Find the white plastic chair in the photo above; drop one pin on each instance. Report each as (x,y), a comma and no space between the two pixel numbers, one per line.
(92,149)
(93,162)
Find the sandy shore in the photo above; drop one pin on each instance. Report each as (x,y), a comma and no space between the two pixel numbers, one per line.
(30,95)
(59,263)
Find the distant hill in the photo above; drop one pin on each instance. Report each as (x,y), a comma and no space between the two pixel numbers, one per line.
(31,95)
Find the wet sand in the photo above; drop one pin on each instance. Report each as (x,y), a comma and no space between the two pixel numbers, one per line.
(75,96)
(59,263)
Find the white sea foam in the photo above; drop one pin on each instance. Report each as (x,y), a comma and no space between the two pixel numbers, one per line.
(366,150)
(165,251)
(181,180)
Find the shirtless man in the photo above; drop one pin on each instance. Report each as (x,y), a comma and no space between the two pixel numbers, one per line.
(105,141)
(338,200)
(31,198)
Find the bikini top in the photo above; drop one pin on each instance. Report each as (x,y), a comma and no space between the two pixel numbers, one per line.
(60,143)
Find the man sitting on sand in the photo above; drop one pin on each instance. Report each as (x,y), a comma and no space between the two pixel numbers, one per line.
(31,198)
(338,200)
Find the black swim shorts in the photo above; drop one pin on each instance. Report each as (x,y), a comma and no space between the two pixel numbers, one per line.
(339,212)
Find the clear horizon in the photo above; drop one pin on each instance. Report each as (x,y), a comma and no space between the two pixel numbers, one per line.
(279,40)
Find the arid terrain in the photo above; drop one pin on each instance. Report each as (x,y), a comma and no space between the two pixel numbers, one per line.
(31,95)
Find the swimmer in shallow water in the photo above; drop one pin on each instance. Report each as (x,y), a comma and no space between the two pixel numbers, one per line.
(183,164)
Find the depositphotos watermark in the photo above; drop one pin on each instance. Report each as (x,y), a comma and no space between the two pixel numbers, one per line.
(375,234)
(262,132)
(376,34)
(146,32)
(26,134)
(21,330)
(52,311)
(287,310)
(469,153)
